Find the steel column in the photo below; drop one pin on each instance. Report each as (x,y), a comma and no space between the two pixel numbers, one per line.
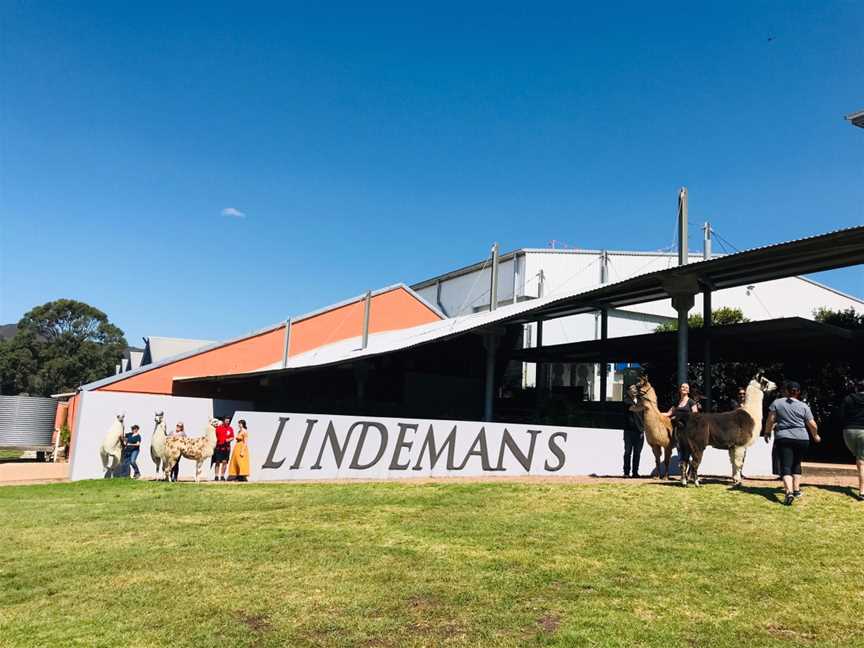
(604,364)
(707,323)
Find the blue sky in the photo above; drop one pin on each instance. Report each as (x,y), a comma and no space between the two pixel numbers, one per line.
(370,145)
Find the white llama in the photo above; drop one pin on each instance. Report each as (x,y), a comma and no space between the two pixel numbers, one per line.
(112,447)
(157,443)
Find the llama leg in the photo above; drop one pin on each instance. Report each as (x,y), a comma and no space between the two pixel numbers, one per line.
(667,457)
(694,466)
(736,456)
(656,451)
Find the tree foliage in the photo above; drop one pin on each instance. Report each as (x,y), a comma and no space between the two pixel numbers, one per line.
(719,317)
(58,347)
(848,319)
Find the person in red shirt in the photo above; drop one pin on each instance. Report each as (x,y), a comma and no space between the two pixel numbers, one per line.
(222,451)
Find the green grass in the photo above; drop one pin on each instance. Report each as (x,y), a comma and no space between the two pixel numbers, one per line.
(127,563)
(10,454)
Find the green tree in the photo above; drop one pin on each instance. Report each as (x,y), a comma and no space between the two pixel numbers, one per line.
(848,319)
(59,346)
(719,317)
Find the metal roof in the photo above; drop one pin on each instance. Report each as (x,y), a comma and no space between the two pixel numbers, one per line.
(857,118)
(837,249)
(160,348)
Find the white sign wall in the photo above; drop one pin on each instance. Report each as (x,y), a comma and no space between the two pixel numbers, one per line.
(319,446)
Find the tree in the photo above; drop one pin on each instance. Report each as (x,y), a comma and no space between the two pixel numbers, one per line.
(719,317)
(848,319)
(58,347)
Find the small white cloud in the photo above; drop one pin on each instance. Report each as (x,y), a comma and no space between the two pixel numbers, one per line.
(233,212)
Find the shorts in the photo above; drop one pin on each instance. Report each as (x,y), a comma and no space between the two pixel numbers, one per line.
(221,453)
(791,452)
(854,438)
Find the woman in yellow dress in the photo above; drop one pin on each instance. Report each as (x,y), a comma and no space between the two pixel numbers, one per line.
(238,467)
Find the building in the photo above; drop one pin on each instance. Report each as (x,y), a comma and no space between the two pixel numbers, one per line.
(529,273)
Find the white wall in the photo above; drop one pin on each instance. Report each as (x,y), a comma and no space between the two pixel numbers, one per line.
(97,411)
(584,451)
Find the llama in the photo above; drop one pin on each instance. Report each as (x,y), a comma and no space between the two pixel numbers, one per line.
(157,443)
(734,431)
(195,448)
(658,428)
(112,446)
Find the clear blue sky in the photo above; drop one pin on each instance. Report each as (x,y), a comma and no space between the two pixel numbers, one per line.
(372,145)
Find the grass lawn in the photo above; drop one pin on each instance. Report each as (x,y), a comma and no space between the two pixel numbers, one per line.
(126,563)
(10,454)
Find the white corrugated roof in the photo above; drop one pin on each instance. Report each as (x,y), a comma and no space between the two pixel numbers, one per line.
(167,347)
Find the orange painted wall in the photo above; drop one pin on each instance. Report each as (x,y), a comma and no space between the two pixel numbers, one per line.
(395,309)
(247,354)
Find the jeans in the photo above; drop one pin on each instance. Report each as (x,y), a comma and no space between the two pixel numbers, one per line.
(130,458)
(633,441)
(175,471)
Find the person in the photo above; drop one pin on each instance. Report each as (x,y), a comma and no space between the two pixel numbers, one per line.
(738,401)
(634,432)
(222,451)
(238,468)
(794,429)
(131,448)
(179,431)
(680,413)
(852,420)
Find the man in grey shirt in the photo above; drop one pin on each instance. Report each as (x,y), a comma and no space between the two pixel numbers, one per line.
(793,423)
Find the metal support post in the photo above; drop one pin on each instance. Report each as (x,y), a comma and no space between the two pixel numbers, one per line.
(493,288)
(706,241)
(707,316)
(682,304)
(490,343)
(682,227)
(286,343)
(367,307)
(604,363)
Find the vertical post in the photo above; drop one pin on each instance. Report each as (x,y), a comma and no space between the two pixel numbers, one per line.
(604,267)
(541,366)
(286,343)
(490,342)
(682,227)
(493,288)
(541,280)
(515,279)
(366,308)
(707,323)
(604,361)
(706,241)
(682,302)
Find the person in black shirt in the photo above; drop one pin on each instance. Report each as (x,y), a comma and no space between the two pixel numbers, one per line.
(131,448)
(852,417)
(634,432)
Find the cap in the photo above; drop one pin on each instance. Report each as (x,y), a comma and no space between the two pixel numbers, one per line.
(792,385)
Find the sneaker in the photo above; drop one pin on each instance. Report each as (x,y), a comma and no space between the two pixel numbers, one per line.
(861,497)
(790,498)
(797,494)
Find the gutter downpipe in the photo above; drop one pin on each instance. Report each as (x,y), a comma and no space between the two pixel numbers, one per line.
(286,343)
(367,307)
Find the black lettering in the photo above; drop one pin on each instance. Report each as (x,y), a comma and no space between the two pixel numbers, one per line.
(270,463)
(557,451)
(429,442)
(482,452)
(508,442)
(400,443)
(338,452)
(382,431)
(310,423)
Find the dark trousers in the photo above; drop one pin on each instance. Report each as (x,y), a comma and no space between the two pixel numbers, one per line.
(633,442)
(791,453)
(175,471)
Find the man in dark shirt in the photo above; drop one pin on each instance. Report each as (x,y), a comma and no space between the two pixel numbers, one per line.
(131,448)
(634,432)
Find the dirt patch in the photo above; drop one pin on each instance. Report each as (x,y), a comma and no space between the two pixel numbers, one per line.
(549,623)
(783,632)
(421,602)
(255,622)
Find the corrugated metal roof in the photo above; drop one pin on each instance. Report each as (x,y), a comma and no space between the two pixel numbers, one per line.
(836,249)
(160,348)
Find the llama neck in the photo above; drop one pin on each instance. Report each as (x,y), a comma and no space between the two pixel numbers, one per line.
(753,406)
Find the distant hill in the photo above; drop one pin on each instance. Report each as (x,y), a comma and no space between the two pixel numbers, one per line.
(8,331)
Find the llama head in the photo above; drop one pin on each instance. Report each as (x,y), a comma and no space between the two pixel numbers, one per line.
(762,383)
(158,416)
(121,417)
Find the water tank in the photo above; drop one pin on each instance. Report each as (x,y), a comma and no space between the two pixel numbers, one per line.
(26,421)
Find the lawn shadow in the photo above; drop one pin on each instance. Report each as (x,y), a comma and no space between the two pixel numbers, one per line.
(851,491)
(771,493)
